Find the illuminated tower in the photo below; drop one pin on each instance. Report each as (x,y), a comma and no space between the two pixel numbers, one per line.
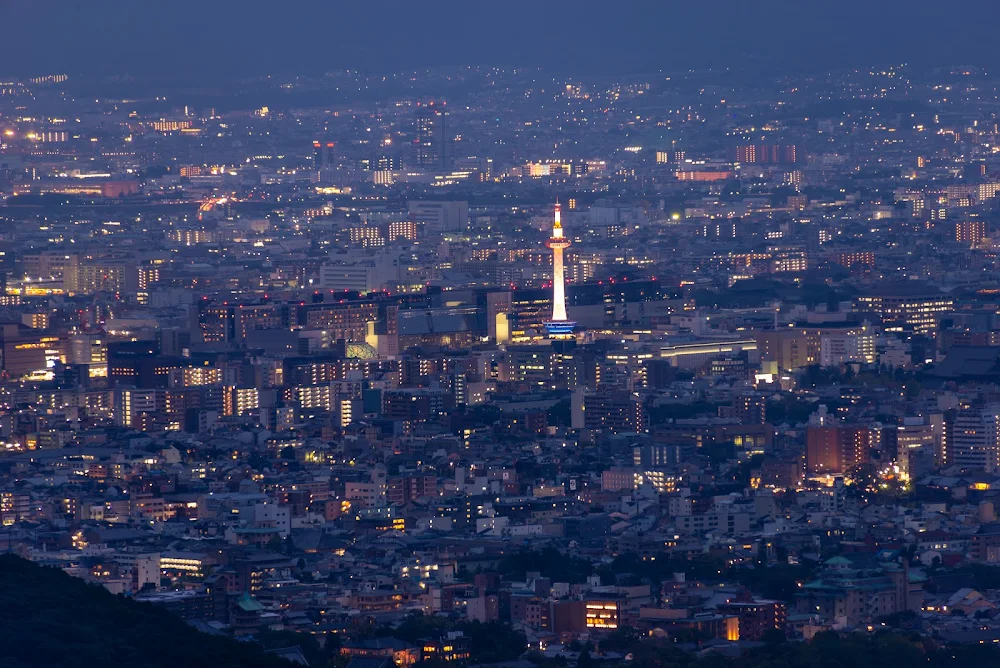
(560,326)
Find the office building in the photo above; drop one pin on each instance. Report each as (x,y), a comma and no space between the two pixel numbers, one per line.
(836,449)
(439,217)
(975,439)
(431,141)
(323,154)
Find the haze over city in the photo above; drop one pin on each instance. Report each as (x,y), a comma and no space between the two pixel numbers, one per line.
(252,37)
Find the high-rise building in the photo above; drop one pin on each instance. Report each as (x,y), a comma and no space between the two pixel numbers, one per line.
(976,439)
(560,324)
(971,232)
(131,404)
(837,448)
(323,154)
(750,408)
(431,141)
(766,154)
(613,412)
(401,229)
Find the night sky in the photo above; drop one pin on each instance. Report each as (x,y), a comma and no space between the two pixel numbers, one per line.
(208,38)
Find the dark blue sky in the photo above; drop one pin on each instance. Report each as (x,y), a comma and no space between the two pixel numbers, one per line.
(234,37)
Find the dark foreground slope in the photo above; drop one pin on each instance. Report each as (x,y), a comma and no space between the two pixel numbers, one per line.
(52,619)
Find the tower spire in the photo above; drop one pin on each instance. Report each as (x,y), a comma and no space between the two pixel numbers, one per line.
(560,326)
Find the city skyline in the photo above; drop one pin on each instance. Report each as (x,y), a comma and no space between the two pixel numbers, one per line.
(582,38)
(499,335)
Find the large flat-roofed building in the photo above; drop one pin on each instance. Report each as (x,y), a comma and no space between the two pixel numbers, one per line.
(23,349)
(455,327)
(437,217)
(851,346)
(911,305)
(343,319)
(695,353)
(90,274)
(789,349)
(92,187)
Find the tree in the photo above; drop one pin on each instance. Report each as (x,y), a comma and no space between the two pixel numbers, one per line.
(773,636)
(559,414)
(550,562)
(493,641)
(59,620)
(620,640)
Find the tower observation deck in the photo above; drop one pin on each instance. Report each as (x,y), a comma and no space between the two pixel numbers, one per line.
(560,326)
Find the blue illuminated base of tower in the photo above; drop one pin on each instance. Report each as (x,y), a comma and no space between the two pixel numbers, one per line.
(560,328)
